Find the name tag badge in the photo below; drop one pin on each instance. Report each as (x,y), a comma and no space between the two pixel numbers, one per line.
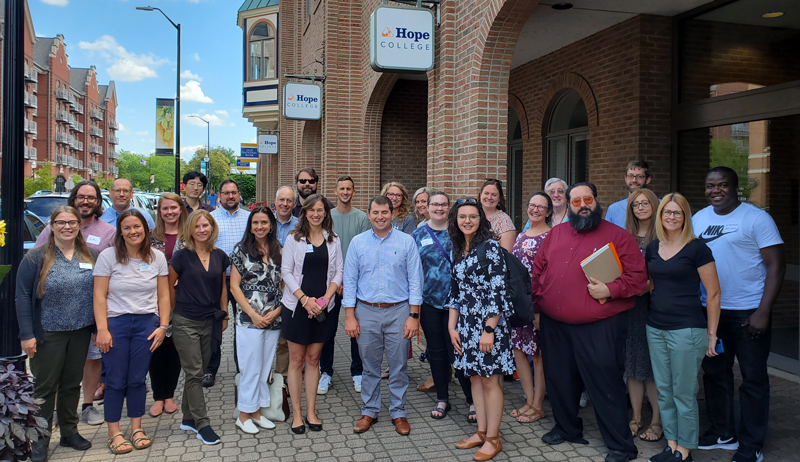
(85,265)
(309,248)
(425,242)
(145,267)
(92,239)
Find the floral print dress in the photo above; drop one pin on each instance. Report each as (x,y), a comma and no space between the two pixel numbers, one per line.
(526,338)
(478,298)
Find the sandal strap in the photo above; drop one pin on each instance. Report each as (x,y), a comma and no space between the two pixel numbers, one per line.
(114,436)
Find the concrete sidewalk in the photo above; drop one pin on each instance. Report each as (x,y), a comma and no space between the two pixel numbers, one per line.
(429,440)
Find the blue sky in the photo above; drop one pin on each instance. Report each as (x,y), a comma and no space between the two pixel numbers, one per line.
(137,49)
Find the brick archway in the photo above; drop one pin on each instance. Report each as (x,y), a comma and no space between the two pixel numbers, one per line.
(373,115)
(562,83)
(516,104)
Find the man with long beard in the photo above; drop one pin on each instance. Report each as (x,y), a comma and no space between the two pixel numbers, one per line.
(583,340)
(306,181)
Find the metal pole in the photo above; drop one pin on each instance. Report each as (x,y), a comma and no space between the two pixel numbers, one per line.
(12,187)
(178,118)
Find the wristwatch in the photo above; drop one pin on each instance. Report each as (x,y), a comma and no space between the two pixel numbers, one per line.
(488,329)
(414,315)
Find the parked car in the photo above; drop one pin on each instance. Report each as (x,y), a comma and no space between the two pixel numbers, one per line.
(42,191)
(31,229)
(43,204)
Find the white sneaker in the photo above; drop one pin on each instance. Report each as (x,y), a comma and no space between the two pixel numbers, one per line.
(357,383)
(584,399)
(91,416)
(264,422)
(248,427)
(324,384)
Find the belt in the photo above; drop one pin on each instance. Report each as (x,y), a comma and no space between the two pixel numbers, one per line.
(382,305)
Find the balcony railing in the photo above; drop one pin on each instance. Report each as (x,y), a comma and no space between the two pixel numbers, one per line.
(72,142)
(72,120)
(62,94)
(94,131)
(96,166)
(72,99)
(113,139)
(30,126)
(96,114)
(112,154)
(78,127)
(62,116)
(31,74)
(30,152)
(77,107)
(113,170)
(62,159)
(113,125)
(95,149)
(31,100)
(78,145)
(62,138)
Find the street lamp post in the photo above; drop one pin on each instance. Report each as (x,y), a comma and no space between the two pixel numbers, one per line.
(177,102)
(207,159)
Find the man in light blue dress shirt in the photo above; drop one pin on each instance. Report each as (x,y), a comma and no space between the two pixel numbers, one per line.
(382,297)
(284,204)
(121,195)
(637,175)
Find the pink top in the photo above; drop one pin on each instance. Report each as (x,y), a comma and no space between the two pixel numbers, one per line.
(294,254)
(98,235)
(501,223)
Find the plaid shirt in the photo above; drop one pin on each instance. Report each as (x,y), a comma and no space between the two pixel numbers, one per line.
(231,229)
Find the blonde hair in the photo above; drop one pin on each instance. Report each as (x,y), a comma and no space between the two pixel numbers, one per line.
(404,208)
(50,247)
(191,222)
(422,190)
(632,222)
(159,232)
(687,234)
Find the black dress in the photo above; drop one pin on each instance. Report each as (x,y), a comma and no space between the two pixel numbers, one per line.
(297,327)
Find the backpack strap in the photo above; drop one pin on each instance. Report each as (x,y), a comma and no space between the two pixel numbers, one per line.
(438,244)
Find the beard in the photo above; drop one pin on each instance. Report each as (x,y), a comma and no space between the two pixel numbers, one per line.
(304,194)
(85,215)
(585,223)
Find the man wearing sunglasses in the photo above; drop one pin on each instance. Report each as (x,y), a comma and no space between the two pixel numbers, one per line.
(637,175)
(306,181)
(584,326)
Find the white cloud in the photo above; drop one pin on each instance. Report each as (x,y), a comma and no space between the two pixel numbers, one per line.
(221,112)
(187,74)
(143,133)
(192,92)
(121,127)
(196,56)
(56,2)
(125,66)
(190,150)
(213,119)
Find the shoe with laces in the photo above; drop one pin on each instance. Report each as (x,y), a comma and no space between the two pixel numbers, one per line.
(91,416)
(207,435)
(758,456)
(709,441)
(324,384)
(663,456)
(357,383)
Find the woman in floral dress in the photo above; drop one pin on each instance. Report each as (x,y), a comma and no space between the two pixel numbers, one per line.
(477,327)
(525,339)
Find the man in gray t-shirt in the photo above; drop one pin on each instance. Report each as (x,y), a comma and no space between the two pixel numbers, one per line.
(348,222)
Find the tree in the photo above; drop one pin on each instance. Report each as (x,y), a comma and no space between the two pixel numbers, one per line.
(247,186)
(43,179)
(138,173)
(222,159)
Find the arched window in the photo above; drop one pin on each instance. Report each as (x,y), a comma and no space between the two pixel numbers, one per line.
(262,52)
(514,169)
(567,139)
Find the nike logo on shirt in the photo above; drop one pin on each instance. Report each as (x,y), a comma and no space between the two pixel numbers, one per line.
(714,232)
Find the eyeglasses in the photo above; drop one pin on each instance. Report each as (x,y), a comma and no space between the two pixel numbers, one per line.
(588,200)
(307,180)
(637,177)
(670,213)
(195,184)
(62,223)
(550,192)
(434,205)
(394,196)
(540,208)
(85,198)
(640,205)
(471,217)
(229,193)
(123,191)
(467,201)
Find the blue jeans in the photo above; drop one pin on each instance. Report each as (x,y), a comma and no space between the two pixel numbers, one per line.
(126,363)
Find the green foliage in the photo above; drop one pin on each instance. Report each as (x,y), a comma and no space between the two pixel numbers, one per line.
(222,159)
(43,180)
(163,167)
(247,186)
(737,157)
(76,178)
(105,183)
(20,423)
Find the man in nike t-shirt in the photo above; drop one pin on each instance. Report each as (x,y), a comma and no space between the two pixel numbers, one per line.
(748,251)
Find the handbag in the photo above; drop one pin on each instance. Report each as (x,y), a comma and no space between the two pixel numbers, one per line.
(278,409)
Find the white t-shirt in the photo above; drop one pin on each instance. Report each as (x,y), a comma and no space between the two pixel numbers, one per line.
(736,240)
(133,288)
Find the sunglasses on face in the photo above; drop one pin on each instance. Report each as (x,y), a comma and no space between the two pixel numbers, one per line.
(307,180)
(467,201)
(588,200)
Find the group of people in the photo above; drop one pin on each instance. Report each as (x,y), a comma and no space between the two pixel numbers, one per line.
(694,291)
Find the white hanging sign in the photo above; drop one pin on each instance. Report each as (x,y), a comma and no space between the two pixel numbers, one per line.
(402,39)
(302,101)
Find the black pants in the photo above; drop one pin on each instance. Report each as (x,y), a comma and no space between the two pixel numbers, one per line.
(326,356)
(165,370)
(754,391)
(441,352)
(592,356)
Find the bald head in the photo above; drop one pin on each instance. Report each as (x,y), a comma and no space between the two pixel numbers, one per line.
(284,203)
(121,194)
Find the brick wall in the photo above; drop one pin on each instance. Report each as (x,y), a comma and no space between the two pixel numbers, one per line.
(404,136)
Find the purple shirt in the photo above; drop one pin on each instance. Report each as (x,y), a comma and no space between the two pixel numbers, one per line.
(98,235)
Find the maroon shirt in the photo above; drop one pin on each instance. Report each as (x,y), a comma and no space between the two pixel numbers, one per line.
(560,285)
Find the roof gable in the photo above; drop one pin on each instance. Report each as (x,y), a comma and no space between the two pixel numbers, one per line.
(256,4)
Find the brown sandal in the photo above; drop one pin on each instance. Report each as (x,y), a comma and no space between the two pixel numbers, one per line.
(148,441)
(465,444)
(654,430)
(522,410)
(635,427)
(498,446)
(532,415)
(115,447)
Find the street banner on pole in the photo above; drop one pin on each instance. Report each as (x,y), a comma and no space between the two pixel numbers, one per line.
(165,127)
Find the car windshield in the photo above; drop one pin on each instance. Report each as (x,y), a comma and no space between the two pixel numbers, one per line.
(44,206)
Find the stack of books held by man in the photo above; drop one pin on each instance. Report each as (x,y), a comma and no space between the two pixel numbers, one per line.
(603,265)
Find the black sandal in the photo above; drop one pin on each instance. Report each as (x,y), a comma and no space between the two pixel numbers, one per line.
(443,410)
(472,417)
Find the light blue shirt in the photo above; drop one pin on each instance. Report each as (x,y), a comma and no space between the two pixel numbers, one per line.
(231,229)
(384,270)
(110,216)
(284,228)
(616,213)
